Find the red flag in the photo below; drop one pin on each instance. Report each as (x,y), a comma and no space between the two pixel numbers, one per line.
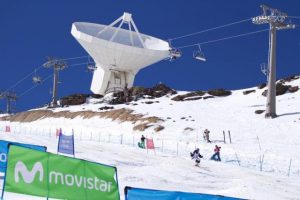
(58,132)
(150,143)
(7,129)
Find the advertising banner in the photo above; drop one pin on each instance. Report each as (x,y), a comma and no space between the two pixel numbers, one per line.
(4,149)
(146,194)
(55,176)
(66,144)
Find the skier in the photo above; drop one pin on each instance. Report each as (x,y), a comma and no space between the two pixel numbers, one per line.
(142,143)
(206,135)
(196,156)
(216,156)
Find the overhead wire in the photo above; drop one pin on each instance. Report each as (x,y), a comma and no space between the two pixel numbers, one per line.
(222,39)
(50,76)
(210,29)
(37,69)
(28,90)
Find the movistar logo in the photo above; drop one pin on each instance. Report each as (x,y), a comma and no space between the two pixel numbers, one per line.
(59,178)
(28,176)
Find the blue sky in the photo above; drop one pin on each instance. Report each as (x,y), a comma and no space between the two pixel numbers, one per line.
(32,30)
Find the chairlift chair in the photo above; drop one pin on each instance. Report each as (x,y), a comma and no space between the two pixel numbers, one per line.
(36,79)
(91,67)
(199,55)
(175,53)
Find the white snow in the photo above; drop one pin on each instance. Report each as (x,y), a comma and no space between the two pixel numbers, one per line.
(170,168)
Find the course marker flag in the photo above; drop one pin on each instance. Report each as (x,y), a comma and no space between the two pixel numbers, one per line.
(146,194)
(4,149)
(66,144)
(50,175)
(7,129)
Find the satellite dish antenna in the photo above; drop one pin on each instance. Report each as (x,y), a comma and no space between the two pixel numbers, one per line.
(199,55)
(118,53)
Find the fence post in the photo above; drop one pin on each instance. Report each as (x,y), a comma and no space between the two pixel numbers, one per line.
(258,142)
(289,167)
(133,141)
(237,159)
(121,138)
(177,149)
(229,136)
(261,161)
(224,137)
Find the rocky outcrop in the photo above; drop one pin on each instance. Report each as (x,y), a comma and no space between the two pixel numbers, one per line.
(246,92)
(189,96)
(137,92)
(259,111)
(282,89)
(219,92)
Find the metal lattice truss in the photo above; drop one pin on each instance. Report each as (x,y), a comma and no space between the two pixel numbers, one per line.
(271,15)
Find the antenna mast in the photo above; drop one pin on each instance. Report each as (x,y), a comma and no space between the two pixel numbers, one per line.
(276,20)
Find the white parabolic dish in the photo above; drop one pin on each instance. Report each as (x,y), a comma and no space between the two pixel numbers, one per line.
(119,53)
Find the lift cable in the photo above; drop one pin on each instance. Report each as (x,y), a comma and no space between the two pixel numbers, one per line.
(50,76)
(221,39)
(37,69)
(210,29)
(28,90)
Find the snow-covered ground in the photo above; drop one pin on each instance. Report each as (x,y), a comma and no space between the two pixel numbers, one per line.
(277,141)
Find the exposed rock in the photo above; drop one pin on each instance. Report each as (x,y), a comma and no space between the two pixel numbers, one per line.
(135,93)
(280,89)
(248,91)
(208,97)
(75,99)
(188,129)
(196,94)
(106,108)
(219,92)
(293,89)
(261,86)
(96,96)
(289,79)
(159,128)
(149,102)
(259,111)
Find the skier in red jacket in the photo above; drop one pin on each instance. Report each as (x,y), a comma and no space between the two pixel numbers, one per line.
(216,156)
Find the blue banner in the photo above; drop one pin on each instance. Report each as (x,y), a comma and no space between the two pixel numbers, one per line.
(66,144)
(4,149)
(146,194)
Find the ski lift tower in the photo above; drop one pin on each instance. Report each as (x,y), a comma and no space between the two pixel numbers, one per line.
(10,97)
(57,65)
(276,20)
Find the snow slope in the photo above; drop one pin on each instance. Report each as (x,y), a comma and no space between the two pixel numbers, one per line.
(277,141)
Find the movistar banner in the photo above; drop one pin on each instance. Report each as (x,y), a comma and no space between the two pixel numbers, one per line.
(66,144)
(146,194)
(4,149)
(54,176)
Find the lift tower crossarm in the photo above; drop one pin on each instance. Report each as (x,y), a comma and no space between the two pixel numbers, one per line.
(276,20)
